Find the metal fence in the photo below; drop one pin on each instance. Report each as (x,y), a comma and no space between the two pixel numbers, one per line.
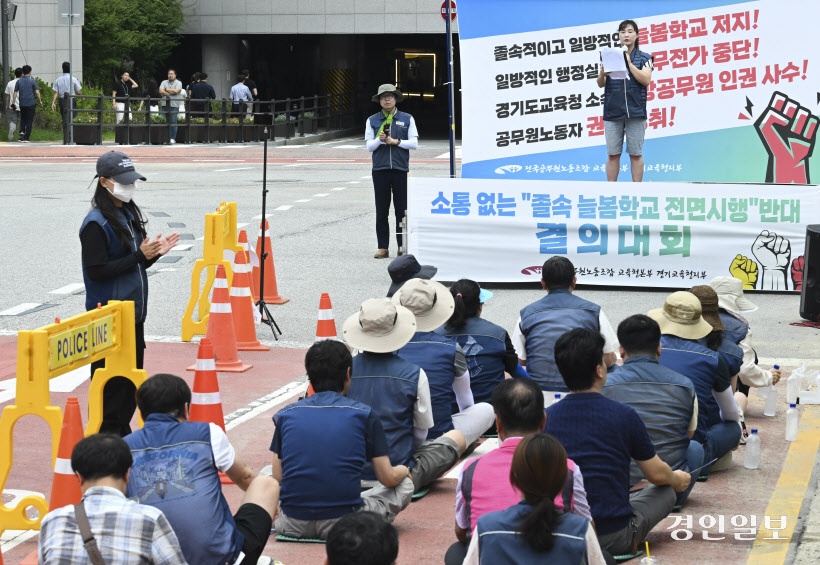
(137,120)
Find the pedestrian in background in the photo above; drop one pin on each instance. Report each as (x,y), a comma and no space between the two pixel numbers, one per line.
(201,91)
(63,85)
(26,95)
(172,88)
(12,110)
(251,84)
(123,88)
(240,94)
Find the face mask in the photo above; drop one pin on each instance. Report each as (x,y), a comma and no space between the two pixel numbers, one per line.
(124,192)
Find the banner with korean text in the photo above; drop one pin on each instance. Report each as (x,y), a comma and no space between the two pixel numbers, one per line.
(733,96)
(651,234)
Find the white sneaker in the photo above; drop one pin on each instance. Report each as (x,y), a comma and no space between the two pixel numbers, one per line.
(173,141)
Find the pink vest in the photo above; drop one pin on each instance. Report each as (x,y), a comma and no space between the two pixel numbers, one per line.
(485,483)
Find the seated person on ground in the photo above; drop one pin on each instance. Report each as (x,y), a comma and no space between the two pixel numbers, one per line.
(398,391)
(362,538)
(718,418)
(320,446)
(603,437)
(483,483)
(406,267)
(534,530)
(124,531)
(487,346)
(176,469)
(665,400)
(443,362)
(543,322)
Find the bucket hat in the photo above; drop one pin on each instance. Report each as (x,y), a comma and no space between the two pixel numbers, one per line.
(388,89)
(429,301)
(404,268)
(710,311)
(380,326)
(730,294)
(681,316)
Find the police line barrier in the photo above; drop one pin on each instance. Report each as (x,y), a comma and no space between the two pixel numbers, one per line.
(48,352)
(219,247)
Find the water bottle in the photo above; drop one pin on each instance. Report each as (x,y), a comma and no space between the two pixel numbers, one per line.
(770,408)
(556,399)
(792,421)
(751,459)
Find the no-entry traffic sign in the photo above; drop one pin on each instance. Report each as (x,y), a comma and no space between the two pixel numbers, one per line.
(444,10)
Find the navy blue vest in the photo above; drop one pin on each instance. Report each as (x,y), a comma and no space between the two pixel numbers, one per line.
(734,329)
(543,322)
(484,347)
(129,285)
(321,428)
(392,156)
(730,352)
(694,360)
(389,385)
(662,398)
(624,99)
(499,541)
(174,471)
(436,354)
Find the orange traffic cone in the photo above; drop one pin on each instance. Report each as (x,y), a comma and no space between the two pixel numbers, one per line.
(242,307)
(65,488)
(220,328)
(271,293)
(326,326)
(242,240)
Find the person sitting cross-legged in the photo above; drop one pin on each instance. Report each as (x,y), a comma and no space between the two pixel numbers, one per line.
(483,483)
(320,446)
(603,437)
(362,538)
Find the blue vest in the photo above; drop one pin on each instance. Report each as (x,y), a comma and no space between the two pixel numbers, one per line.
(484,347)
(624,99)
(499,541)
(730,352)
(694,360)
(436,354)
(734,329)
(321,428)
(389,385)
(392,156)
(129,285)
(662,398)
(543,322)
(174,471)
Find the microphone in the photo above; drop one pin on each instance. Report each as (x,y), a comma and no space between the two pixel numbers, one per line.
(625,48)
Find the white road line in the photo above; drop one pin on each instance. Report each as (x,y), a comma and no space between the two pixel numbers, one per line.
(304,200)
(284,207)
(353,182)
(259,217)
(166,270)
(238,169)
(68,289)
(19,309)
(367,176)
(321,195)
(182,247)
(486,446)
(349,147)
(263,404)
(201,238)
(63,383)
(339,188)
(240,226)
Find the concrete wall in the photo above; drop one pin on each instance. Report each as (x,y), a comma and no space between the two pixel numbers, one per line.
(43,43)
(219,57)
(313,16)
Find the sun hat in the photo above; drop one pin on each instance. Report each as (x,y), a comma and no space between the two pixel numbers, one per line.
(681,316)
(730,294)
(380,326)
(118,166)
(710,311)
(388,89)
(429,301)
(406,267)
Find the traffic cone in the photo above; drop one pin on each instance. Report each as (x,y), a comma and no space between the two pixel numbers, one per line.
(220,328)
(65,488)
(326,326)
(251,259)
(271,293)
(242,307)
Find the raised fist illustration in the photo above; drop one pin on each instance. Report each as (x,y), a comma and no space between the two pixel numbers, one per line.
(772,253)
(744,269)
(787,131)
(797,273)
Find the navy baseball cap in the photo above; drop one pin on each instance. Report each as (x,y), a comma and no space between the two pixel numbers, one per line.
(117,166)
(404,268)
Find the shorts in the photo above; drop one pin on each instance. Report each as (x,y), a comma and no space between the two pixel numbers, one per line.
(254,523)
(433,459)
(634,130)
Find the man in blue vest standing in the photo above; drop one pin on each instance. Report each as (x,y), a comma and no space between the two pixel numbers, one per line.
(389,135)
(176,469)
(543,322)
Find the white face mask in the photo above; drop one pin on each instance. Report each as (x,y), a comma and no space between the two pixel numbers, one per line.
(124,192)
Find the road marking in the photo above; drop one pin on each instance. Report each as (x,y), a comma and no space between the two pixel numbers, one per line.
(284,207)
(353,182)
(349,147)
(166,270)
(790,491)
(447,155)
(182,247)
(321,195)
(339,188)
(259,217)
(304,200)
(238,169)
(240,226)
(12,538)
(68,289)
(485,447)
(367,176)
(63,383)
(263,404)
(19,309)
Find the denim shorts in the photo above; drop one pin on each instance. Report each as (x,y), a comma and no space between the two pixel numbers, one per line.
(632,128)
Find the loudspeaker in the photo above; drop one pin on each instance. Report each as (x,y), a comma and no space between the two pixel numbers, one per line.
(810,293)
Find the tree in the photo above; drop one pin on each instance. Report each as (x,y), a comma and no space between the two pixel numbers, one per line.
(132,35)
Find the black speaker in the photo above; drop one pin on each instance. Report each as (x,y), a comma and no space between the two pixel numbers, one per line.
(810,293)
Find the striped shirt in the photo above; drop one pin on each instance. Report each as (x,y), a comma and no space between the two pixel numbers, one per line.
(126,533)
(61,85)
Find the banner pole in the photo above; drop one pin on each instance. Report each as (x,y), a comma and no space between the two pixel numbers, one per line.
(450,91)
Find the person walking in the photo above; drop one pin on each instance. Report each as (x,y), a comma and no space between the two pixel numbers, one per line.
(116,252)
(63,85)
(251,84)
(12,110)
(240,94)
(390,135)
(26,94)
(172,88)
(199,92)
(123,90)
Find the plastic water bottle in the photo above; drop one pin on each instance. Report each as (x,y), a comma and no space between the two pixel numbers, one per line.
(751,459)
(792,421)
(770,407)
(556,399)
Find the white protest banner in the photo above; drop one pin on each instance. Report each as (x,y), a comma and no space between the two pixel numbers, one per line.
(651,234)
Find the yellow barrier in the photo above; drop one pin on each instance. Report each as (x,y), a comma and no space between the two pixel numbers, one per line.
(220,235)
(48,352)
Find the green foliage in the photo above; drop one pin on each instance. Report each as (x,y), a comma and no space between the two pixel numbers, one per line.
(120,32)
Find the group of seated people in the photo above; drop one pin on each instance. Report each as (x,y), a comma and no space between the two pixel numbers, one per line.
(429,378)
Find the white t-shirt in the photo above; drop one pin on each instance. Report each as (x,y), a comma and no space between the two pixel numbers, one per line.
(423,407)
(610,338)
(224,453)
(10,92)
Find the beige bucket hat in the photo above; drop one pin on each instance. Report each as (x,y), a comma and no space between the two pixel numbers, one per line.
(388,89)
(379,326)
(681,316)
(429,301)
(730,294)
